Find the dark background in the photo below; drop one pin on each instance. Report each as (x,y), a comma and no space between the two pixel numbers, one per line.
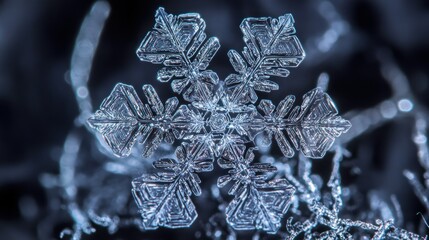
(38,108)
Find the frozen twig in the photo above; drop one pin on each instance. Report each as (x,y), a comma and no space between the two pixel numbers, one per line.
(323,81)
(420,140)
(335,181)
(402,102)
(322,215)
(83,54)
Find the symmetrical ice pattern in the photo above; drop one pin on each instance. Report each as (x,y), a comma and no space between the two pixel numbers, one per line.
(221,121)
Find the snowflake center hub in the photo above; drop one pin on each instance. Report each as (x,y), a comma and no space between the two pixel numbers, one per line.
(194,72)
(218,121)
(244,174)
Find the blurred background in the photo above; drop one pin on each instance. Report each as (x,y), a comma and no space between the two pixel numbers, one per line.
(370,50)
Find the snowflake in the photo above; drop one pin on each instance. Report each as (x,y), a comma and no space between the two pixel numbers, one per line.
(219,122)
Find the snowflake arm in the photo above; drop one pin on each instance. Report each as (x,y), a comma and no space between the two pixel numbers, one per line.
(123,118)
(164,197)
(270,49)
(311,127)
(315,124)
(177,42)
(258,204)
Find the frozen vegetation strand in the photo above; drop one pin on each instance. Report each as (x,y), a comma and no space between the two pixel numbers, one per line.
(219,123)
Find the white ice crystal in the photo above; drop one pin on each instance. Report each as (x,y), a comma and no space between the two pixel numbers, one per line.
(220,121)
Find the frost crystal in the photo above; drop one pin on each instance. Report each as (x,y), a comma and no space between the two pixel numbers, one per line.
(220,121)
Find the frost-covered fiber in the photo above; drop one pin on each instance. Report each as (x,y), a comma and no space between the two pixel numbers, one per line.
(219,122)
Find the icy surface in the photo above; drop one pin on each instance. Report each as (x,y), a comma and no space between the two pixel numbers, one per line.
(220,121)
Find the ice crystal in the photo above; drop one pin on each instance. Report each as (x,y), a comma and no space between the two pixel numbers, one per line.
(220,122)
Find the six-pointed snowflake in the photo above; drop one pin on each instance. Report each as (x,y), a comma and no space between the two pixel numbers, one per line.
(219,122)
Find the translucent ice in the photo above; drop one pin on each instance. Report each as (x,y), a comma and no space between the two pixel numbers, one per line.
(220,121)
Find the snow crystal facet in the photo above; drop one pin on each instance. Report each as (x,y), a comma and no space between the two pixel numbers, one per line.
(220,122)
